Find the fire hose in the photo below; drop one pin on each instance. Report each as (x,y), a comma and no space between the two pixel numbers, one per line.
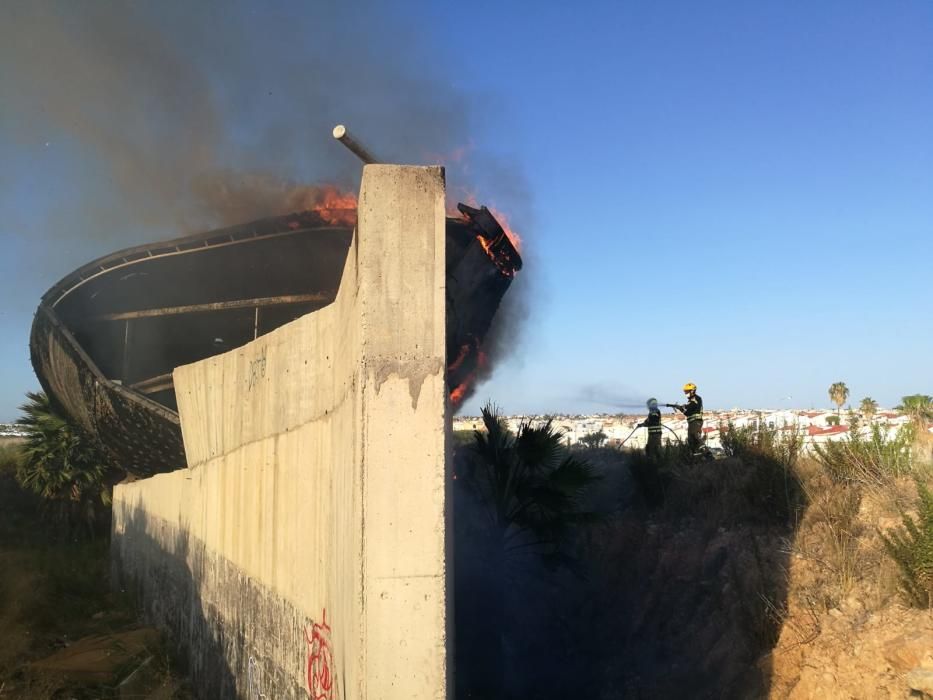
(629,435)
(621,444)
(673,433)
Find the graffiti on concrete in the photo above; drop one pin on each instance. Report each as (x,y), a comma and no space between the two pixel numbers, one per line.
(257,370)
(254,680)
(320,660)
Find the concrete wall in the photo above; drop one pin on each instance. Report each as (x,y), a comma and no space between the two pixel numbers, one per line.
(303,551)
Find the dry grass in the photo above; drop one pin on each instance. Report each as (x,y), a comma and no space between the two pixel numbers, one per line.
(829,537)
(838,540)
(9,455)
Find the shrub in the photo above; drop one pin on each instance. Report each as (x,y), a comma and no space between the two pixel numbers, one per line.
(595,439)
(768,483)
(651,476)
(834,530)
(911,547)
(750,442)
(871,461)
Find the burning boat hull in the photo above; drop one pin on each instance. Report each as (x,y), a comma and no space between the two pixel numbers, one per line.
(106,338)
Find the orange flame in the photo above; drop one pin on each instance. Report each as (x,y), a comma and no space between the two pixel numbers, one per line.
(469,198)
(335,207)
(459,392)
(339,208)
(509,231)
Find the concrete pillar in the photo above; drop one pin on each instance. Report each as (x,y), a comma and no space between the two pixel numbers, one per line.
(403,310)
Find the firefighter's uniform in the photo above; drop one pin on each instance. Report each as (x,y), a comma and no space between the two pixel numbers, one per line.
(653,423)
(693,410)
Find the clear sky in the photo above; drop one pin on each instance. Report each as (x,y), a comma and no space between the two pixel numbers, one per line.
(736,194)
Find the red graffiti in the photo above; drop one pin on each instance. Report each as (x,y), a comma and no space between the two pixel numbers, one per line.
(320,660)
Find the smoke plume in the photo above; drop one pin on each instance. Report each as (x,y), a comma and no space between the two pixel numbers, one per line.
(172,117)
(201,114)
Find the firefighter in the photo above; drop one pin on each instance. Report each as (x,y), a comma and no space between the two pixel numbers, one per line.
(693,410)
(653,423)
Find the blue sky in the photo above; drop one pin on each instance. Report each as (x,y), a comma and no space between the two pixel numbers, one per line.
(735,194)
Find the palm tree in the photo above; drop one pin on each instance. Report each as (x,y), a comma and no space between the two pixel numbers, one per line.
(919,407)
(868,408)
(838,393)
(61,463)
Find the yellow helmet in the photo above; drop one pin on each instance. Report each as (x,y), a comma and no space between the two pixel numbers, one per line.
(690,386)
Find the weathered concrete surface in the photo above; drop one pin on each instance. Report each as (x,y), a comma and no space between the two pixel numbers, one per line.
(303,552)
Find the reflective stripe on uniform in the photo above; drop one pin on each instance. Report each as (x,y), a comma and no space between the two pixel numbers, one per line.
(695,416)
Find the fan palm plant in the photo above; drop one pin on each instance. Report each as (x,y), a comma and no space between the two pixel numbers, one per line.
(868,408)
(919,407)
(61,464)
(519,497)
(531,485)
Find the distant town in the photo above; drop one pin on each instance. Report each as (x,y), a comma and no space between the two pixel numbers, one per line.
(813,426)
(11,430)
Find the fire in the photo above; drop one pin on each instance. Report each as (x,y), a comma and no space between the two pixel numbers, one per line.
(459,392)
(487,246)
(509,231)
(470,199)
(335,207)
(339,208)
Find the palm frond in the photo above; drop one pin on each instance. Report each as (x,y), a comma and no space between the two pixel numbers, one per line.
(539,448)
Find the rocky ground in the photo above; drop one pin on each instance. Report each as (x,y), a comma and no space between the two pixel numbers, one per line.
(847,632)
(819,588)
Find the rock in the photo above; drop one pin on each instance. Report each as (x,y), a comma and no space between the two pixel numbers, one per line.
(852,603)
(907,651)
(100,658)
(807,686)
(921,679)
(885,524)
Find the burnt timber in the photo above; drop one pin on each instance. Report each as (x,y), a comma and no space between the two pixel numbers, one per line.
(106,338)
